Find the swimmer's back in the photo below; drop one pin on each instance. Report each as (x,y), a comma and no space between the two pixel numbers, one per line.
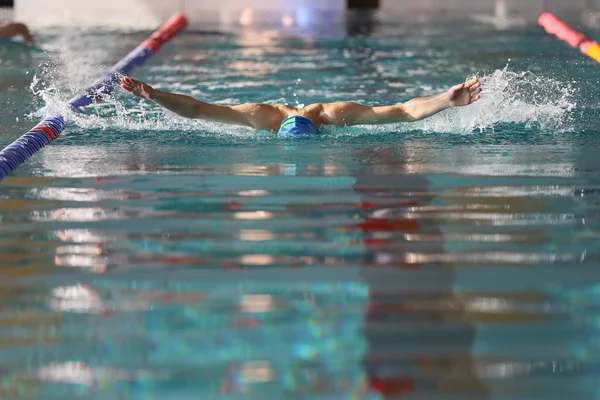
(312,112)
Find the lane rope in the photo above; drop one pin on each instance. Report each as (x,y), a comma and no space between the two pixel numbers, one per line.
(51,127)
(555,26)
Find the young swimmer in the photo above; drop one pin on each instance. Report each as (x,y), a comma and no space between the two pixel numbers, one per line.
(288,121)
(16,29)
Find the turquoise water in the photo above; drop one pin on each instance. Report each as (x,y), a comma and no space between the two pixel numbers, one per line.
(144,256)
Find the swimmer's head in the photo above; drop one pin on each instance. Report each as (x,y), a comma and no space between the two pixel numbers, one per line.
(297,125)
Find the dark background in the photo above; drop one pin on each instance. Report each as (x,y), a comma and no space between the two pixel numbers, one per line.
(363,4)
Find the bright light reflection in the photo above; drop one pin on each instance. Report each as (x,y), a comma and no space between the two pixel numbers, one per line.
(257,303)
(79,249)
(488,305)
(76,372)
(474,237)
(503,370)
(383,258)
(565,170)
(70,372)
(76,299)
(80,194)
(497,257)
(78,214)
(248,68)
(257,259)
(250,170)
(255,235)
(253,215)
(518,191)
(80,236)
(246,17)
(414,258)
(257,371)
(287,21)
(253,193)
(258,40)
(331,170)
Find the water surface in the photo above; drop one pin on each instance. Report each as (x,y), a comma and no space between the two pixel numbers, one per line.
(146,256)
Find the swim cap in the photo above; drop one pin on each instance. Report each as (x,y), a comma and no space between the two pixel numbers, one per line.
(297,125)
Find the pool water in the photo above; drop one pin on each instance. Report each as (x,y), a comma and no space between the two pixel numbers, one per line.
(144,256)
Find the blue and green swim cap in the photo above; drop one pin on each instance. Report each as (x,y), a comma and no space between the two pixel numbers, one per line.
(297,125)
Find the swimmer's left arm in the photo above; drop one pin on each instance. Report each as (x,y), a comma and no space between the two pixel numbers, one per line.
(346,113)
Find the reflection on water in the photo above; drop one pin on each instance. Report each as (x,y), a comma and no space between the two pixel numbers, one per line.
(167,259)
(390,281)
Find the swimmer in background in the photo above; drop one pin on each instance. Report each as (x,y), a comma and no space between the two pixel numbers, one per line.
(289,121)
(17,29)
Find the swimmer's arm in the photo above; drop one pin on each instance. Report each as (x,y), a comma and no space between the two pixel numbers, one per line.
(256,115)
(16,29)
(346,113)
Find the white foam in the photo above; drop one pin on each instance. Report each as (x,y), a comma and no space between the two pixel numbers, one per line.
(512,98)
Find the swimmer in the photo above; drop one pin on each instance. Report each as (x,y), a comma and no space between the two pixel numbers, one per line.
(288,121)
(16,29)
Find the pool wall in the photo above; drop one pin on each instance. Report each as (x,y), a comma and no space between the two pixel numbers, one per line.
(147,14)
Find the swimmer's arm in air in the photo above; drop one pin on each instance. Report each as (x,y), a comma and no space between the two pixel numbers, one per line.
(256,115)
(346,113)
(16,29)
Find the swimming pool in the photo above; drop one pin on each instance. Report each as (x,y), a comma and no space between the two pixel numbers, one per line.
(147,256)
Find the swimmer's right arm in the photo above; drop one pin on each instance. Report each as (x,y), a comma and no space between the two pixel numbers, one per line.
(259,116)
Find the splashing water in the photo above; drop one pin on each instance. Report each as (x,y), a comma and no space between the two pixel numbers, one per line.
(109,113)
(513,98)
(507,98)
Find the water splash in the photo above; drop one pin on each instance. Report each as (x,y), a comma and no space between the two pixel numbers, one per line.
(511,98)
(507,98)
(117,111)
(295,94)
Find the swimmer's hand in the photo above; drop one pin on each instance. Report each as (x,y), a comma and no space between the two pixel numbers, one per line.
(137,88)
(465,93)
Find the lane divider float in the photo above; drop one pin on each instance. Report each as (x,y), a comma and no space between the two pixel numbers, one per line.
(555,26)
(51,127)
